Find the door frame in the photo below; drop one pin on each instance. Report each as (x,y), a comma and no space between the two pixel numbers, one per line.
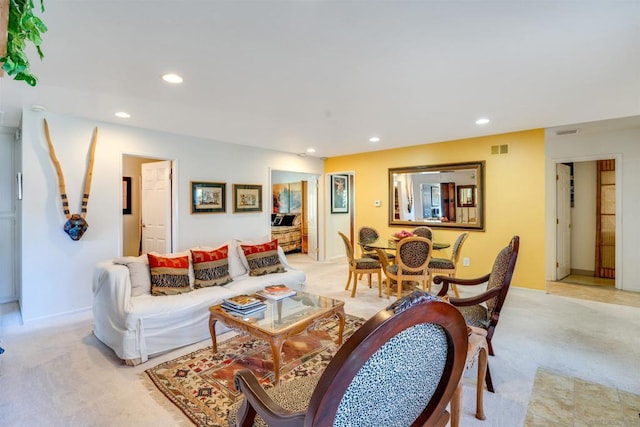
(551,235)
(174,197)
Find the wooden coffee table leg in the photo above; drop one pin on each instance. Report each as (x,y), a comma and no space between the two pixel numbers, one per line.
(276,349)
(340,314)
(212,331)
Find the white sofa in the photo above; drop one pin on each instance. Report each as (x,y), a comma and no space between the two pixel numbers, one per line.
(137,326)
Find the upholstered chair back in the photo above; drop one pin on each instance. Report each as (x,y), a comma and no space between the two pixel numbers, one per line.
(498,275)
(423,231)
(367,235)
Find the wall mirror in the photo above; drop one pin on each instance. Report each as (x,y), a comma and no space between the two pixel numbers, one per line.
(439,196)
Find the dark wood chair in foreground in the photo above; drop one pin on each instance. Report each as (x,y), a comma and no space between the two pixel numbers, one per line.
(498,281)
(401,368)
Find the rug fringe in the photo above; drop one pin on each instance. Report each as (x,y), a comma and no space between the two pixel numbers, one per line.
(179,417)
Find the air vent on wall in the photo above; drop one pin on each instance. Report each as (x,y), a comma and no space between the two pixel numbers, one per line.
(566,132)
(500,149)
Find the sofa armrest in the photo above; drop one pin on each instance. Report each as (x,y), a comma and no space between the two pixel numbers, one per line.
(111,291)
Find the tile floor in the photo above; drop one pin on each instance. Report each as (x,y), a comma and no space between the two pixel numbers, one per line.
(559,400)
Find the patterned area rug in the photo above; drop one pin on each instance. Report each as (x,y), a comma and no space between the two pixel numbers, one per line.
(201,383)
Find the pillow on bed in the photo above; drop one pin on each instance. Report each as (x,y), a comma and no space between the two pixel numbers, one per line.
(211,268)
(169,276)
(263,259)
(287,220)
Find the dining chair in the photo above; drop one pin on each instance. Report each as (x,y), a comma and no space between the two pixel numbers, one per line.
(367,235)
(483,310)
(449,266)
(402,367)
(412,262)
(423,231)
(357,266)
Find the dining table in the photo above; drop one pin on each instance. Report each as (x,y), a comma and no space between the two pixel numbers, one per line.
(392,243)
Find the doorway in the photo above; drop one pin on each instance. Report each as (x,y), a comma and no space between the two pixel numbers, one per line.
(147,218)
(585,212)
(297,193)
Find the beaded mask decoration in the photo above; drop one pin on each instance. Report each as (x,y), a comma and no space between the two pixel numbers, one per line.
(76,224)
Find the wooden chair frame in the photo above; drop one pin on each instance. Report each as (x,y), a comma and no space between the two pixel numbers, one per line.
(406,273)
(354,271)
(414,309)
(498,292)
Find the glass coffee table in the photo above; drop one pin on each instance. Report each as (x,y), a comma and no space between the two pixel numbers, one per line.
(280,320)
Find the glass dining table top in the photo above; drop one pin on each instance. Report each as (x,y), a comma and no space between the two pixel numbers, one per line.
(391,244)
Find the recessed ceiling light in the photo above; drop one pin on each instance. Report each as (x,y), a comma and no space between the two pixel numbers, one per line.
(123,115)
(172,78)
(482,121)
(311,150)
(374,139)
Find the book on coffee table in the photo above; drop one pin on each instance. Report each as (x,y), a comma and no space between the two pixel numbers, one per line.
(244,311)
(242,301)
(276,292)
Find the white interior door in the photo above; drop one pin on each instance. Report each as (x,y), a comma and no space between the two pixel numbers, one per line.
(9,252)
(563,221)
(156,207)
(312,218)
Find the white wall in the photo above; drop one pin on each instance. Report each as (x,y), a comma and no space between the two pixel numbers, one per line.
(56,271)
(593,142)
(583,216)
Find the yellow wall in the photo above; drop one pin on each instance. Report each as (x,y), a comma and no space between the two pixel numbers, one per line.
(514,197)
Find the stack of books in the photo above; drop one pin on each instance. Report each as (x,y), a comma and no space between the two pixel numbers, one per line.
(276,292)
(243,305)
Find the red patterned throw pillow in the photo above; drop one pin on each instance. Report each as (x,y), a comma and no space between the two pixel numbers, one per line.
(263,259)
(169,276)
(211,268)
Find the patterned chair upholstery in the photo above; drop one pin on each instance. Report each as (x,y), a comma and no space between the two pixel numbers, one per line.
(368,235)
(449,266)
(401,368)
(423,231)
(483,309)
(360,266)
(412,261)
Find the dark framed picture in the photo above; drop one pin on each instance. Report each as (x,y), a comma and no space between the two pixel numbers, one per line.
(339,193)
(208,197)
(247,198)
(126,195)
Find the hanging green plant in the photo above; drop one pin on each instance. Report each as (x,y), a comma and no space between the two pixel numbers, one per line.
(23,26)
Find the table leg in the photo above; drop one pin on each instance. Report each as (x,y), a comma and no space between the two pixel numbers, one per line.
(455,405)
(212,331)
(340,314)
(482,370)
(276,349)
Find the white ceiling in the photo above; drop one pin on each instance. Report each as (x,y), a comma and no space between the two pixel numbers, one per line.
(289,75)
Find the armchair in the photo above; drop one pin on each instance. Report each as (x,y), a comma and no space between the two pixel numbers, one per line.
(402,367)
(498,281)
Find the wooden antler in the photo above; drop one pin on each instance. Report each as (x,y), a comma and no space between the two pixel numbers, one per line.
(87,178)
(56,164)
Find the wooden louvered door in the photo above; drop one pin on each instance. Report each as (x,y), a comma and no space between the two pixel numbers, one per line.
(448,200)
(605,265)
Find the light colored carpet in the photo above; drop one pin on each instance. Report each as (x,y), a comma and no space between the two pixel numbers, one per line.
(56,373)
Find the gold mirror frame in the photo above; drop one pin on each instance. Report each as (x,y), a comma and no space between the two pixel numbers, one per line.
(428,195)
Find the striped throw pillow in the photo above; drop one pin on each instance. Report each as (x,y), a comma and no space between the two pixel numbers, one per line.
(169,276)
(211,268)
(263,259)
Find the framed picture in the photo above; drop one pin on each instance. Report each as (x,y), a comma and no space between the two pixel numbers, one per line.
(339,193)
(126,195)
(247,198)
(208,197)
(466,196)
